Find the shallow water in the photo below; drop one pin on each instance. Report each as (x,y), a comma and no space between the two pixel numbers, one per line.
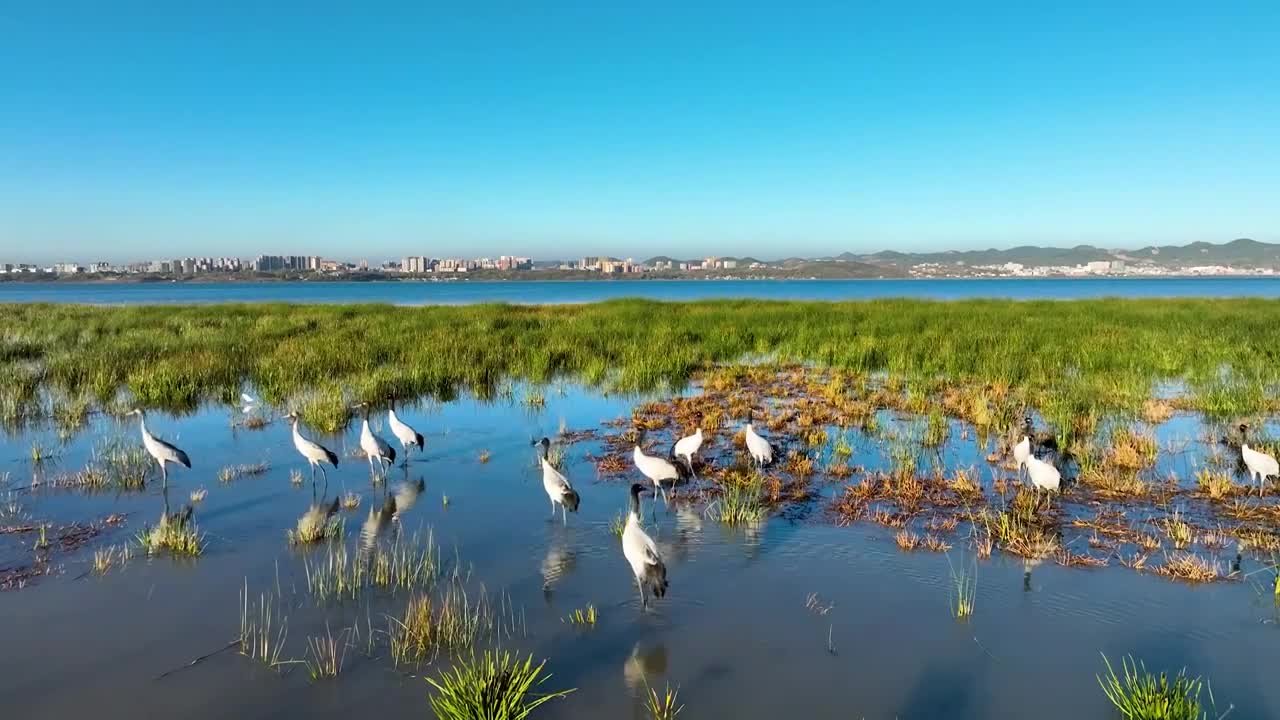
(734,633)
(539,292)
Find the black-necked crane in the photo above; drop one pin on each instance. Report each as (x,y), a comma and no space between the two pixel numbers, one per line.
(688,446)
(374,447)
(557,485)
(407,436)
(641,552)
(1260,465)
(657,469)
(1022,451)
(760,450)
(163,452)
(315,454)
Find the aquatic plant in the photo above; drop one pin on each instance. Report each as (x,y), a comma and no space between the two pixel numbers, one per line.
(263,629)
(964,590)
(42,452)
(104,559)
(617,524)
(315,526)
(1140,695)
(198,495)
(325,653)
(494,686)
(1178,530)
(1191,567)
(739,501)
(407,565)
(231,473)
(665,706)
(453,622)
(350,501)
(1216,484)
(1080,368)
(583,616)
(175,533)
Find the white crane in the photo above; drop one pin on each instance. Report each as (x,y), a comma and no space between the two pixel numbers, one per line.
(557,486)
(641,552)
(1043,475)
(407,436)
(759,448)
(655,468)
(315,454)
(1261,465)
(163,452)
(374,447)
(688,446)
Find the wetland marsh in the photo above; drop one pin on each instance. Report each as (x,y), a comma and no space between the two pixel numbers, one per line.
(891,562)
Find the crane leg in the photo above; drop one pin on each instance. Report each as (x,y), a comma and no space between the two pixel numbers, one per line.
(553,509)
(564,514)
(644,601)
(164,476)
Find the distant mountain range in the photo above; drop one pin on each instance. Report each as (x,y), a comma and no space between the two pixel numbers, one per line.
(1238,253)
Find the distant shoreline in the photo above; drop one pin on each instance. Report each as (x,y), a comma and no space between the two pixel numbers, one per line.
(525,276)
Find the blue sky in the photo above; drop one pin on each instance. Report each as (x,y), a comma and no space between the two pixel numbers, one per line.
(137,130)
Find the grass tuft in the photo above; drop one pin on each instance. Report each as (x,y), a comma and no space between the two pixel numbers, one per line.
(583,617)
(174,534)
(665,706)
(491,687)
(1140,695)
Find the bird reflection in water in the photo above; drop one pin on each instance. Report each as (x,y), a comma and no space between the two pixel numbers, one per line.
(557,564)
(406,495)
(378,521)
(643,667)
(1027,565)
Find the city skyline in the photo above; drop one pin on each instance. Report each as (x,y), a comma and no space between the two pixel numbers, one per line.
(562,130)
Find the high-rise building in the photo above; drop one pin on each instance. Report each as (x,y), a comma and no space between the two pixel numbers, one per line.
(414,264)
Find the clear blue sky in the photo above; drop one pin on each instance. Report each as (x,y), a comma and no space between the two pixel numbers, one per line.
(138,130)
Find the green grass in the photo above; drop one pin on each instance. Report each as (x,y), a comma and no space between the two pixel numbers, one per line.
(452,621)
(740,501)
(172,535)
(407,565)
(1140,695)
(494,686)
(964,590)
(326,653)
(584,617)
(665,706)
(1071,359)
(263,629)
(617,524)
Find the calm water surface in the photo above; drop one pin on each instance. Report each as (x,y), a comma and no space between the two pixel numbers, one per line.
(734,633)
(465,292)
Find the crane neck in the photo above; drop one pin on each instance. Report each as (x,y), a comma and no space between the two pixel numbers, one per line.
(634,515)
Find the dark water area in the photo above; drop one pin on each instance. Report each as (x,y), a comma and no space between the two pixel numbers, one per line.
(735,633)
(540,292)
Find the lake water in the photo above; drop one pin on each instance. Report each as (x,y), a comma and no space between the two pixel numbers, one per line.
(465,292)
(734,633)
